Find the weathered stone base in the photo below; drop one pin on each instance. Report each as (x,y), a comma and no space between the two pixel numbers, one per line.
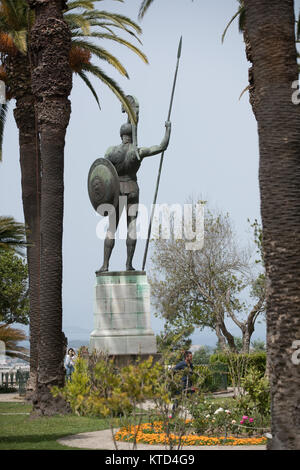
(122,343)
(122,314)
(122,360)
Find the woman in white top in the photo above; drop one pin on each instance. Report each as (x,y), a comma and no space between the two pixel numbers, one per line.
(70,363)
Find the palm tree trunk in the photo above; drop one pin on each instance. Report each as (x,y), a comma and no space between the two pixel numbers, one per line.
(51,85)
(270,30)
(29,162)
(18,70)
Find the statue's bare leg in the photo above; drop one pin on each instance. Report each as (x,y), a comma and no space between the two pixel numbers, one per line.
(132,212)
(109,241)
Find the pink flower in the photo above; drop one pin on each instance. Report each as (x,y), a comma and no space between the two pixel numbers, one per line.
(251,420)
(245,417)
(242,422)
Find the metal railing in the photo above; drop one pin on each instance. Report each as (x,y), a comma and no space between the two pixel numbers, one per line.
(14,380)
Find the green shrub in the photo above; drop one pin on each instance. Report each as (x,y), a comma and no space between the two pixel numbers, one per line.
(212,377)
(258,390)
(98,388)
(253,360)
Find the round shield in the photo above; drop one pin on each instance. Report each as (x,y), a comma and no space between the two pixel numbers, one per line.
(103,185)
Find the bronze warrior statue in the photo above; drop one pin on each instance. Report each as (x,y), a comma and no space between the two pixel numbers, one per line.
(127,159)
(112,180)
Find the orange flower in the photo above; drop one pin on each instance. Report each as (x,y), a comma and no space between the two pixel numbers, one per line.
(159,437)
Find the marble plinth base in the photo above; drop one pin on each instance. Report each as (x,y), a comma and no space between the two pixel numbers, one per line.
(122,314)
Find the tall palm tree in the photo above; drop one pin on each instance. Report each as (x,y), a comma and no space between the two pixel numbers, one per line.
(274,57)
(16,73)
(15,24)
(51,83)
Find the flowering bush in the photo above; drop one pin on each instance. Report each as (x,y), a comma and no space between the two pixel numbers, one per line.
(235,416)
(248,424)
(211,418)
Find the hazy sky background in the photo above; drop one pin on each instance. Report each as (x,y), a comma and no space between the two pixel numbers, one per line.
(213,151)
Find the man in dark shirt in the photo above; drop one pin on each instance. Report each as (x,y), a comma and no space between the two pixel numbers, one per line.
(186,363)
(186,378)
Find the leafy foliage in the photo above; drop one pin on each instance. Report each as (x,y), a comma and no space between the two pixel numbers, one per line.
(175,337)
(256,359)
(14,302)
(99,388)
(202,355)
(258,389)
(258,345)
(202,288)
(86,24)
(12,235)
(11,336)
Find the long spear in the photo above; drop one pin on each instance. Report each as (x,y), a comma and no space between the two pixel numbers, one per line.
(162,156)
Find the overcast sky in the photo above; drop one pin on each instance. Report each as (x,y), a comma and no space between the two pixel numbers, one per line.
(213,151)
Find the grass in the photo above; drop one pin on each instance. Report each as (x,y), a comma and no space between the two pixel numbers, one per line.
(225,401)
(20,432)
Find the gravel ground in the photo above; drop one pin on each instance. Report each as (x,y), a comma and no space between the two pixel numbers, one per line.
(11,397)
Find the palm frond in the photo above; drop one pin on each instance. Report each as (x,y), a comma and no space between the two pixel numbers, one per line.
(128,44)
(83,76)
(15,13)
(114,87)
(86,4)
(122,41)
(144,7)
(20,40)
(109,26)
(4,27)
(231,21)
(11,336)
(244,91)
(12,235)
(3,116)
(242,19)
(78,21)
(116,18)
(101,54)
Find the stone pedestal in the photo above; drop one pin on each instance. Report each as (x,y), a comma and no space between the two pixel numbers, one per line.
(122,314)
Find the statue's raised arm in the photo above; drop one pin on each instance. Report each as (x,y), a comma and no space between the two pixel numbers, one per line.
(156,149)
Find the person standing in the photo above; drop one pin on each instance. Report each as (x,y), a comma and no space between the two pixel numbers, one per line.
(186,380)
(70,363)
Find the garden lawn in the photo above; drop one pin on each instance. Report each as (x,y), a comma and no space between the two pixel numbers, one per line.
(20,432)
